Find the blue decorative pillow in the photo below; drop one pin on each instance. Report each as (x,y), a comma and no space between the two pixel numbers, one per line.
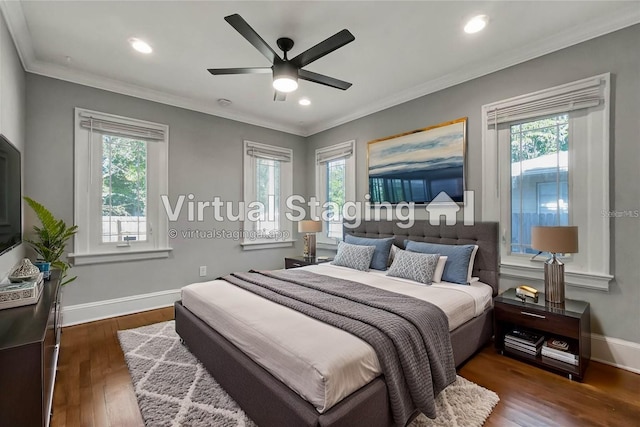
(456,269)
(380,255)
(414,266)
(354,256)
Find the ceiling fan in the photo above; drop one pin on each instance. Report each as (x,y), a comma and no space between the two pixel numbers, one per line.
(286,72)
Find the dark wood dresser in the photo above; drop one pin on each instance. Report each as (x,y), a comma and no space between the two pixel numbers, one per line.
(29,345)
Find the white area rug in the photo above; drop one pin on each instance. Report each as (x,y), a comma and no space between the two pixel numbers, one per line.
(174,389)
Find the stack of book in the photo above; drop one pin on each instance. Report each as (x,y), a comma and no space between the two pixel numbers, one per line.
(21,293)
(558,349)
(523,341)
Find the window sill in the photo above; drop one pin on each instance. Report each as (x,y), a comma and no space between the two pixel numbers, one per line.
(130,255)
(596,281)
(327,245)
(253,245)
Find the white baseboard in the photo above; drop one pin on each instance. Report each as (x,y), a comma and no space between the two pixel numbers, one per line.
(616,352)
(89,312)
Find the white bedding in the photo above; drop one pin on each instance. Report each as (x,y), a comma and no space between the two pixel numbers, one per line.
(321,363)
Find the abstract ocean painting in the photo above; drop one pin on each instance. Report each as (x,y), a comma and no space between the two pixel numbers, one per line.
(416,166)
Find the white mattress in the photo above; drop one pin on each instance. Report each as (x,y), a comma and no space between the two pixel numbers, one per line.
(321,363)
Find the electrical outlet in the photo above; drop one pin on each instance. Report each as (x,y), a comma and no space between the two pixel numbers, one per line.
(203,270)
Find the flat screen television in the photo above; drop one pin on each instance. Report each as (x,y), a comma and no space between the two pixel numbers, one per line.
(10,196)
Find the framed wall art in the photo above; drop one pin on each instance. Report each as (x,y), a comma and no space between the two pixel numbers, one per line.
(417,166)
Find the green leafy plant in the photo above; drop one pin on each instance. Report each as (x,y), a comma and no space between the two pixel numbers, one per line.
(50,239)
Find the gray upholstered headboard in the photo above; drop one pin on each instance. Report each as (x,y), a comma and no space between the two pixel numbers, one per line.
(483,234)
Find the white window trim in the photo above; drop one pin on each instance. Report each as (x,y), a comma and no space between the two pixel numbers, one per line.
(591,266)
(286,189)
(86,247)
(322,241)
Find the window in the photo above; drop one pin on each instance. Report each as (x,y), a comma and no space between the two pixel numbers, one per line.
(546,162)
(335,185)
(124,189)
(121,170)
(268,181)
(539,177)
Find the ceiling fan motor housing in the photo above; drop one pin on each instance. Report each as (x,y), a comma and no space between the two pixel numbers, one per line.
(285,44)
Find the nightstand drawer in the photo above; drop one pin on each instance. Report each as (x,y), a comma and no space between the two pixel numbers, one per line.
(541,320)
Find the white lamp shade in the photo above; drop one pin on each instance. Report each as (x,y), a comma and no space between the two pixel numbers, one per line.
(557,240)
(309,226)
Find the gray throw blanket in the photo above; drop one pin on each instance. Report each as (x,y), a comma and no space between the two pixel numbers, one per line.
(410,336)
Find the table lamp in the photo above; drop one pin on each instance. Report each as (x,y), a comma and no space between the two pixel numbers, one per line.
(310,228)
(555,240)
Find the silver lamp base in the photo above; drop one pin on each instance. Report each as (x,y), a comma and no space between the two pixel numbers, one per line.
(554,280)
(309,245)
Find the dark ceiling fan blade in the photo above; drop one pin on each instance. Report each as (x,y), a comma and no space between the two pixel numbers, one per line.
(323,80)
(246,70)
(279,96)
(323,48)
(245,30)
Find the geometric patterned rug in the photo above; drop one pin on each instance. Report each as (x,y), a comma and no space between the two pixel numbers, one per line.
(174,390)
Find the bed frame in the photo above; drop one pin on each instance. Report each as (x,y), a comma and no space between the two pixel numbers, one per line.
(269,402)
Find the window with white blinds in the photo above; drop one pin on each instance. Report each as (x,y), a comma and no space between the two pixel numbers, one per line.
(121,169)
(335,185)
(268,181)
(574,96)
(546,162)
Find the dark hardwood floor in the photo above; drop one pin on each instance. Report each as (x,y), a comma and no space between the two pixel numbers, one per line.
(93,386)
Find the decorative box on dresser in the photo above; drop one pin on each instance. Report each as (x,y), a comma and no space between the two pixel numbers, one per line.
(569,321)
(29,346)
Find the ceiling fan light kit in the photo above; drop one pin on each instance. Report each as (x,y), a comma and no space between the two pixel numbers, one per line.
(285,76)
(285,71)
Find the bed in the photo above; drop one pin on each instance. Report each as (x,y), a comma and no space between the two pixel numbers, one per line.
(269,402)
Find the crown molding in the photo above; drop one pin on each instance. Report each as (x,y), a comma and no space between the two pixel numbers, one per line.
(624,17)
(19,30)
(100,82)
(17,25)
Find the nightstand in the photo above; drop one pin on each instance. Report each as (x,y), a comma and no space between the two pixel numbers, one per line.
(569,322)
(301,261)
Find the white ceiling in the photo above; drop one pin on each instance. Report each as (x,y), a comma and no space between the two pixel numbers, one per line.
(402,50)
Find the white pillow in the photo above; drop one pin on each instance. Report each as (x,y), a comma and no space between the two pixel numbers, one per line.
(392,254)
(437,276)
(472,258)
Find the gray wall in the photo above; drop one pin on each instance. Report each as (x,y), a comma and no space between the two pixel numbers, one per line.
(12,116)
(614,314)
(205,159)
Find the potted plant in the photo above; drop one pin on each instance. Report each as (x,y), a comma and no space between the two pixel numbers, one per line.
(50,240)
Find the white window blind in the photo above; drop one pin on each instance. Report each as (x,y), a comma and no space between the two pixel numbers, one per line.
(578,95)
(268,152)
(126,127)
(335,152)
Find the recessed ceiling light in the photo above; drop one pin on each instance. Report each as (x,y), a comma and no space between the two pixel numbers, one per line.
(140,45)
(304,101)
(475,24)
